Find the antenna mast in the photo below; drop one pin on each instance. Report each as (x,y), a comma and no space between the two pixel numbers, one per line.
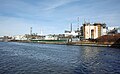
(84,21)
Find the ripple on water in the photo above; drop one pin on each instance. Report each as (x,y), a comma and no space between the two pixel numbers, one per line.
(30,58)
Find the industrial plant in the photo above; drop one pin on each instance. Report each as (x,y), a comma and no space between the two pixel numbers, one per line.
(88,33)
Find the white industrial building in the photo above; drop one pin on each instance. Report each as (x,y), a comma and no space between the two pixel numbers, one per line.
(20,37)
(72,33)
(51,37)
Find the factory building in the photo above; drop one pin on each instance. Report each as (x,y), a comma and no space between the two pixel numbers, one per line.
(92,31)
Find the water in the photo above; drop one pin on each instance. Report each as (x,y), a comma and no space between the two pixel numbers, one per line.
(29,58)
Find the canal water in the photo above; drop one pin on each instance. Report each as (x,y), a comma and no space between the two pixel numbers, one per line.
(32,58)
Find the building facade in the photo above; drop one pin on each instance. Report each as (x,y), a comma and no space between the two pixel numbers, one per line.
(92,31)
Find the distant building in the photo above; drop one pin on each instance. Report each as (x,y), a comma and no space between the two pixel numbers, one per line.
(1,39)
(6,38)
(73,33)
(20,37)
(92,31)
(51,37)
(113,30)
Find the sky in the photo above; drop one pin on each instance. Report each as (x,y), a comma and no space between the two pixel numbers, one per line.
(54,16)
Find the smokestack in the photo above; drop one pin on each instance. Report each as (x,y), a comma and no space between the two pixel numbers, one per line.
(30,30)
(71,27)
(78,23)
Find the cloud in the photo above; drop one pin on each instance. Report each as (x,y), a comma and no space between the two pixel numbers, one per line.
(57,3)
(54,15)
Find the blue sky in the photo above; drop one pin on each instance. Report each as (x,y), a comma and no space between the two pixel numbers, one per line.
(55,16)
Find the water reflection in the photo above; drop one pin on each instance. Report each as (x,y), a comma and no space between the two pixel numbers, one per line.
(90,52)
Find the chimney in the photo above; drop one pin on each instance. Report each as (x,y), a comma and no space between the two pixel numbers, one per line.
(30,30)
(71,27)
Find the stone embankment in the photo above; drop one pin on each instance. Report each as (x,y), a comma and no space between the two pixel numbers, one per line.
(103,41)
(106,40)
